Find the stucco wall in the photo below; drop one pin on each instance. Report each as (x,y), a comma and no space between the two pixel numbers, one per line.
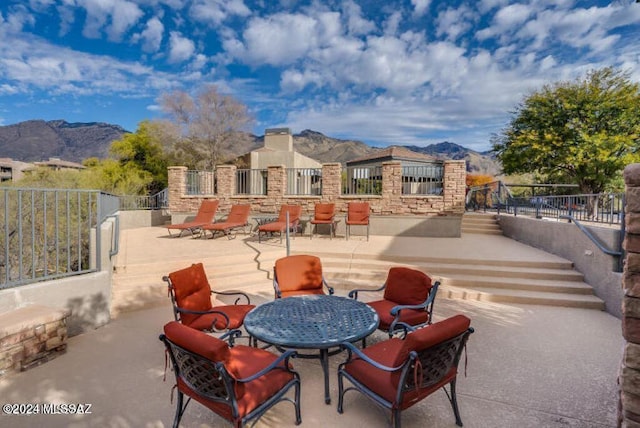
(567,241)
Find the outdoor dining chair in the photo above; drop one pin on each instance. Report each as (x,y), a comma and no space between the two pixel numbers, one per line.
(323,214)
(298,275)
(239,383)
(357,215)
(191,293)
(397,373)
(206,215)
(238,218)
(280,225)
(408,300)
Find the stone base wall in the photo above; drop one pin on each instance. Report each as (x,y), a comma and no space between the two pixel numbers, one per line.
(391,202)
(31,336)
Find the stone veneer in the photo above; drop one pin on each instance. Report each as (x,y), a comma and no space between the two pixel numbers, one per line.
(391,202)
(629,380)
(30,336)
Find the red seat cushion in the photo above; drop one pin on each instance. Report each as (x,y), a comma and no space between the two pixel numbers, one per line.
(196,341)
(324,213)
(409,316)
(299,274)
(407,286)
(276,226)
(358,213)
(236,314)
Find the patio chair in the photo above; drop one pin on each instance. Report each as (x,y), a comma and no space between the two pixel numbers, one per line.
(190,294)
(357,215)
(408,300)
(238,218)
(298,275)
(396,373)
(323,214)
(206,215)
(239,383)
(280,225)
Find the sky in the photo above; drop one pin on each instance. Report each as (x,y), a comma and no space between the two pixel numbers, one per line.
(406,72)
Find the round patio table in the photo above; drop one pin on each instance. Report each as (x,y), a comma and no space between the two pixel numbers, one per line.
(312,322)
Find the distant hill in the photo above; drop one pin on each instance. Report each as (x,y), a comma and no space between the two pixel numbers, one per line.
(38,140)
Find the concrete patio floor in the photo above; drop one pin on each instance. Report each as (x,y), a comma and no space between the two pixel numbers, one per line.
(527,366)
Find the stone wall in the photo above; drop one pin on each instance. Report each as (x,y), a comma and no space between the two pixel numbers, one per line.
(390,203)
(629,380)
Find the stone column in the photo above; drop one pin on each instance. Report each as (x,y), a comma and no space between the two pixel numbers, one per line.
(453,186)
(331,181)
(391,202)
(629,404)
(177,176)
(226,183)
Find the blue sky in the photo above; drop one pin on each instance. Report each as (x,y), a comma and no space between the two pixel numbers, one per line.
(383,72)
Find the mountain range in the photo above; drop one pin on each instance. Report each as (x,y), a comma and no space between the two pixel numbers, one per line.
(37,140)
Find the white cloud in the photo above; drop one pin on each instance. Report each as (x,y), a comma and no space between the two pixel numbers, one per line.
(356,23)
(455,22)
(420,6)
(152,35)
(180,47)
(217,11)
(115,17)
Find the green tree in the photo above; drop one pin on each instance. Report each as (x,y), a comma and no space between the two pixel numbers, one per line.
(207,123)
(585,131)
(142,152)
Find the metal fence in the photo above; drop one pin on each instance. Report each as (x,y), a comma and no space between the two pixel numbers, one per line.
(201,183)
(362,180)
(251,182)
(137,202)
(304,181)
(49,233)
(422,179)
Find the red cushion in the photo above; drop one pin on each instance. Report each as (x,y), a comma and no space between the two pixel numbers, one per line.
(409,316)
(236,314)
(276,226)
(294,213)
(407,286)
(358,213)
(191,290)
(196,341)
(299,273)
(323,213)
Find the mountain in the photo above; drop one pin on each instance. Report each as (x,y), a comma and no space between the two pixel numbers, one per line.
(37,140)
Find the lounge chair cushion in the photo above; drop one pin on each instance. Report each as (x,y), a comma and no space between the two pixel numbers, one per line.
(407,286)
(276,226)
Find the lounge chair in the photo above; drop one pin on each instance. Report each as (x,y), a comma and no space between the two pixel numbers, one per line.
(238,218)
(280,225)
(206,215)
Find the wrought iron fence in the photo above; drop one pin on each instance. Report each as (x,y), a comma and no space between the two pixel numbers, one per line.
(48,233)
(201,183)
(362,180)
(304,181)
(251,182)
(137,202)
(422,179)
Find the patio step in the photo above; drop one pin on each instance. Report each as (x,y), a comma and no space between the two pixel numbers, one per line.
(481,224)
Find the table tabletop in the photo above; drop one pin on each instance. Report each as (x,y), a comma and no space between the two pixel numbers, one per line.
(311,321)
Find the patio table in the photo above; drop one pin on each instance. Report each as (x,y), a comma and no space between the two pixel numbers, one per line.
(312,322)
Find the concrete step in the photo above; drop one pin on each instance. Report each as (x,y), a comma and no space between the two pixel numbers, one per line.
(481,231)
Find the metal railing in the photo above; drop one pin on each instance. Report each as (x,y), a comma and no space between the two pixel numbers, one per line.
(251,182)
(49,233)
(422,179)
(201,183)
(362,180)
(140,202)
(304,181)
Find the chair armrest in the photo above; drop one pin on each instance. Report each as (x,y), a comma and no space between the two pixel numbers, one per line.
(353,294)
(230,336)
(329,288)
(353,350)
(395,311)
(276,288)
(274,365)
(213,311)
(233,293)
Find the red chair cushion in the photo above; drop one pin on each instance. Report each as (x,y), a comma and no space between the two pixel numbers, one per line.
(323,213)
(299,273)
(407,286)
(236,314)
(358,213)
(192,291)
(196,341)
(409,316)
(276,226)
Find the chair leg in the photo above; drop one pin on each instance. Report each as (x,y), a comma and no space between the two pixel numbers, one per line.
(395,415)
(297,403)
(179,409)
(340,392)
(367,231)
(454,402)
